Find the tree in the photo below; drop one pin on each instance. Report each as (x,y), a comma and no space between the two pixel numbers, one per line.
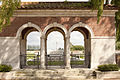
(7,9)
(118,45)
(117,18)
(77,47)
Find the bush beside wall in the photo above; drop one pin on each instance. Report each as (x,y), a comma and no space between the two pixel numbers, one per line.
(5,68)
(108,67)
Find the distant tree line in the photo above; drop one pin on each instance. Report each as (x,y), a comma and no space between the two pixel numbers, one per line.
(33,47)
(77,47)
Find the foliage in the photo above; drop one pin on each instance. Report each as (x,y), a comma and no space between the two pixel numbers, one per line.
(116,2)
(77,47)
(117,18)
(55,63)
(118,45)
(77,62)
(33,63)
(60,49)
(7,9)
(98,4)
(108,67)
(95,4)
(5,68)
(100,9)
(33,47)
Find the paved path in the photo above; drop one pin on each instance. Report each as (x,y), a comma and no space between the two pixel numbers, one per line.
(112,79)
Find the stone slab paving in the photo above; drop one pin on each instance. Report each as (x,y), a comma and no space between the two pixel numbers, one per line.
(112,79)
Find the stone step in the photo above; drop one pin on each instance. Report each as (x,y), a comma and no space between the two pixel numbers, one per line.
(56,72)
(59,74)
(51,78)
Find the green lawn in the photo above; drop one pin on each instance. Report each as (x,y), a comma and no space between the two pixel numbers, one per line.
(77,62)
(55,63)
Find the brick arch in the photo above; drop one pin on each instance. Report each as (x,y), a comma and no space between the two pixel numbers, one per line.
(80,24)
(87,33)
(27,25)
(56,25)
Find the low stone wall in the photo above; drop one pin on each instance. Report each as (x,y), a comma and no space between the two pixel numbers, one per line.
(109,75)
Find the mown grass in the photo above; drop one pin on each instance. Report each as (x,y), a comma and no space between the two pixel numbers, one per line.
(55,63)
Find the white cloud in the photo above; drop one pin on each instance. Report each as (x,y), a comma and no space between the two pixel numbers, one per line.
(76,38)
(33,38)
(55,39)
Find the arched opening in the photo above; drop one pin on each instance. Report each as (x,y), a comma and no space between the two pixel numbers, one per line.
(33,48)
(29,46)
(87,33)
(77,49)
(55,43)
(55,48)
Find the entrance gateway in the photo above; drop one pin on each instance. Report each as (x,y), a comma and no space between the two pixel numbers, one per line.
(59,60)
(99,38)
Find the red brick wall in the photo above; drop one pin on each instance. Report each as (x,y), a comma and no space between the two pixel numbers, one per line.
(106,26)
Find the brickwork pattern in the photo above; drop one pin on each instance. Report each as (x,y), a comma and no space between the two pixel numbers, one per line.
(106,26)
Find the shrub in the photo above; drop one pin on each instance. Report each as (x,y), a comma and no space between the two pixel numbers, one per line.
(108,67)
(5,68)
(118,45)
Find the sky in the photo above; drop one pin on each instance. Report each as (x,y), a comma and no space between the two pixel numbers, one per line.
(55,39)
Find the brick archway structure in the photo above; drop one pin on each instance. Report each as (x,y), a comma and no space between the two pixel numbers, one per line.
(101,36)
(87,33)
(60,28)
(22,34)
(29,24)
(80,24)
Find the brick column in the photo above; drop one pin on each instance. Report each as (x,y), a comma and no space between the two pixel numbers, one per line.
(67,47)
(42,53)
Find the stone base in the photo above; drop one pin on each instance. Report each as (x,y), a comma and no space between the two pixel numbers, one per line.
(67,67)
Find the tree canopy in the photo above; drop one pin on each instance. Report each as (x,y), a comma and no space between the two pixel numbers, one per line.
(77,47)
(6,11)
(8,7)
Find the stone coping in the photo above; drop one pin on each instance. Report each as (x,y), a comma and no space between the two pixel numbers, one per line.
(61,13)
